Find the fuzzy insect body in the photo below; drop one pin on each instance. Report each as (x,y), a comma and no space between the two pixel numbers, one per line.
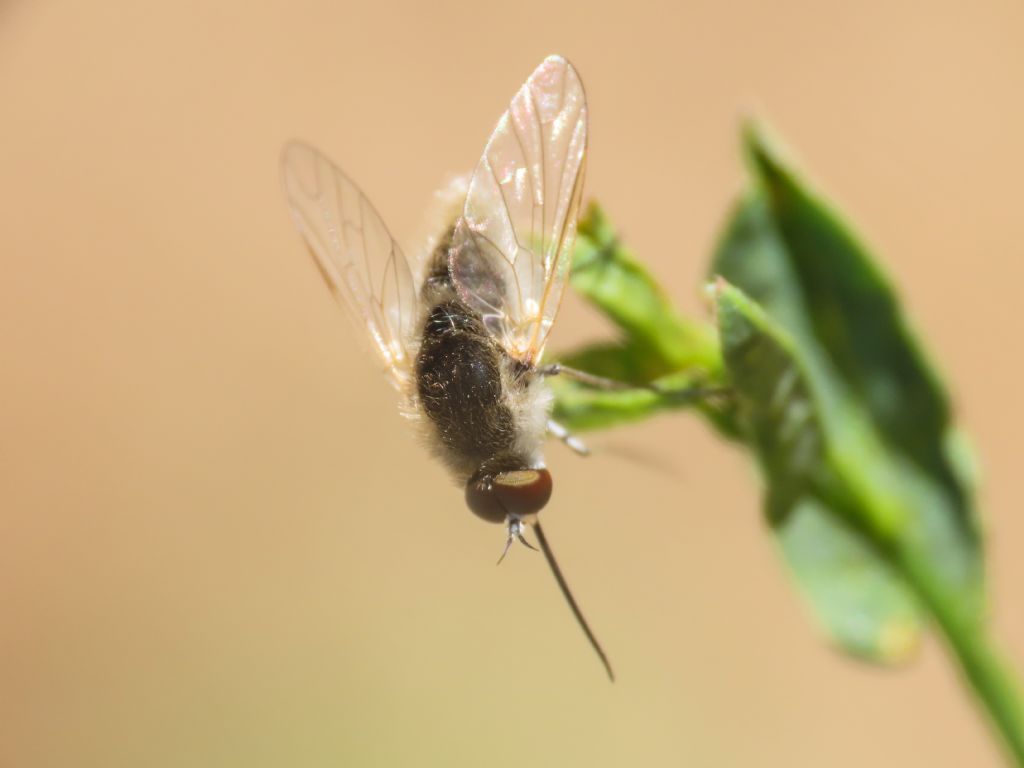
(463,344)
(487,411)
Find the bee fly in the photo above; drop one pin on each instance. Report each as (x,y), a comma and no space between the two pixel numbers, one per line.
(464,350)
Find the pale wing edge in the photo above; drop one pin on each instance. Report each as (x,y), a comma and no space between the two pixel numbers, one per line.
(370,276)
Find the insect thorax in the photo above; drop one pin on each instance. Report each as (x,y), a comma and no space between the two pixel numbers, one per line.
(486,410)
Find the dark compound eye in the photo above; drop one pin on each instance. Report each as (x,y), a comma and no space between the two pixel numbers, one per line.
(519,493)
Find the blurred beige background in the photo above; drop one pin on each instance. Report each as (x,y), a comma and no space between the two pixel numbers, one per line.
(221,547)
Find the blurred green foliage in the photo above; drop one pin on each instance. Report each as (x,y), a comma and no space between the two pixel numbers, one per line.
(867,488)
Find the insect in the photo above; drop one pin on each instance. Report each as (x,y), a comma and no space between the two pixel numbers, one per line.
(461,332)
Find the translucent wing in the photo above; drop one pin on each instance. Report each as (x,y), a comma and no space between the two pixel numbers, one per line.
(361,262)
(513,245)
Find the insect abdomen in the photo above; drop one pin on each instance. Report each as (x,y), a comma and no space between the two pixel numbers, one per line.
(460,388)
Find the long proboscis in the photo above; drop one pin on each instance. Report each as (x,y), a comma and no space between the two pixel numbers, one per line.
(546,549)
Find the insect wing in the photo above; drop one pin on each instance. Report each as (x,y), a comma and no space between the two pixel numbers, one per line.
(359,259)
(513,245)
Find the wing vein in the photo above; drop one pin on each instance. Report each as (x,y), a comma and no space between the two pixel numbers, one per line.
(370,276)
(541,155)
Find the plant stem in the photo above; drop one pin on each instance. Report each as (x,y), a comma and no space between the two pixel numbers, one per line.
(984,669)
(994,686)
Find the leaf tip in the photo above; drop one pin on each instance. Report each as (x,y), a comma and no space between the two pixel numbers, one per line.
(750,131)
(715,287)
(765,152)
(711,291)
(593,224)
(898,641)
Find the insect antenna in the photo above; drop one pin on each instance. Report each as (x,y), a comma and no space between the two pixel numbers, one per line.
(550,556)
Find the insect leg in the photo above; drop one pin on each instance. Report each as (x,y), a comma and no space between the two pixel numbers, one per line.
(690,394)
(598,382)
(563,434)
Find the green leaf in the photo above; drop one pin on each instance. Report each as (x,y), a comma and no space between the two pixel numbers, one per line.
(856,317)
(867,484)
(656,339)
(776,405)
(665,357)
(866,400)
(857,594)
(581,408)
(616,360)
